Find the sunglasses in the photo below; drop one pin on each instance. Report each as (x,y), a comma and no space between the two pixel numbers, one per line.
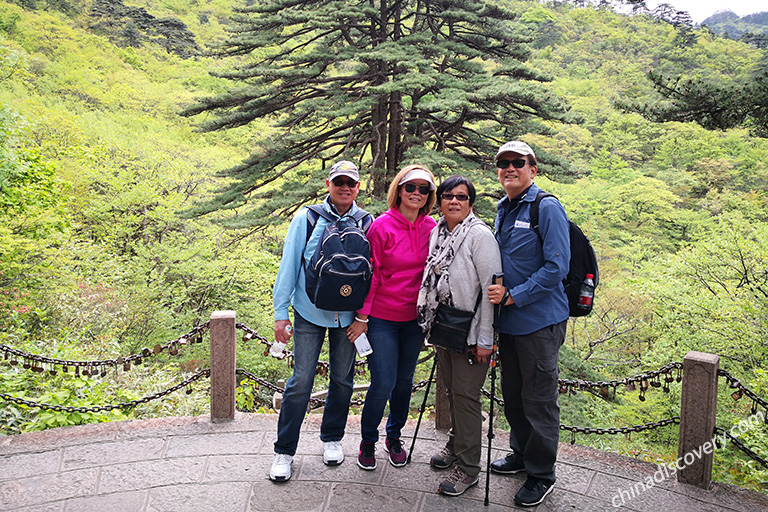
(517,163)
(423,189)
(459,197)
(341,182)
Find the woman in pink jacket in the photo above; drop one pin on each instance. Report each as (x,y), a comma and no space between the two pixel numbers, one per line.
(399,241)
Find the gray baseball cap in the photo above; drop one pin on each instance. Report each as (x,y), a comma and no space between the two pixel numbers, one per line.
(344,168)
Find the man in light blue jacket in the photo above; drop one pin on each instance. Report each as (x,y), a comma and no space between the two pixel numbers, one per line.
(309,328)
(532,320)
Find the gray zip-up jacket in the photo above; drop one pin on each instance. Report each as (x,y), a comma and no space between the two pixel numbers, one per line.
(471,272)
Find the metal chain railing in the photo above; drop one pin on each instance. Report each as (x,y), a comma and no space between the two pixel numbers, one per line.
(742,390)
(619,430)
(101,408)
(38,363)
(742,447)
(661,378)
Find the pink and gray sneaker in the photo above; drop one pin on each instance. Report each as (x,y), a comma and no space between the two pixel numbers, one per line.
(366,459)
(397,455)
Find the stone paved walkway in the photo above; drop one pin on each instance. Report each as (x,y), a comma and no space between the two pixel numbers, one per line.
(191,464)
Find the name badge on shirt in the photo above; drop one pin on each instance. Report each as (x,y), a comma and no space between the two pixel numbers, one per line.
(521,224)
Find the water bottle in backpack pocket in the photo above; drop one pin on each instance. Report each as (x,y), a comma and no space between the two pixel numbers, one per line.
(339,274)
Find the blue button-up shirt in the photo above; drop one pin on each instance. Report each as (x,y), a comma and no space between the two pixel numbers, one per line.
(533,271)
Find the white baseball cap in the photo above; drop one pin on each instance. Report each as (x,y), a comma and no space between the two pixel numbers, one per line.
(515,146)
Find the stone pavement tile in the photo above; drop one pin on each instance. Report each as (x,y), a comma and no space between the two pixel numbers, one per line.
(40,489)
(502,488)
(47,507)
(419,477)
(573,478)
(239,468)
(735,497)
(312,468)
(59,437)
(372,498)
(159,427)
(611,463)
(112,452)
(630,493)
(244,422)
(304,497)
(23,465)
(220,443)
(120,501)
(224,497)
(424,449)
(562,499)
(148,474)
(440,503)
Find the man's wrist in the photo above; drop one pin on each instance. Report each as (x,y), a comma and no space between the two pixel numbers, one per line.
(506,297)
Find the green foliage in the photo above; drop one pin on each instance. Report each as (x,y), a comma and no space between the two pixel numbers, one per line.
(712,105)
(729,24)
(56,391)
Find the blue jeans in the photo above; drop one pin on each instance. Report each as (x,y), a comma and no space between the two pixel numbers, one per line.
(308,340)
(396,347)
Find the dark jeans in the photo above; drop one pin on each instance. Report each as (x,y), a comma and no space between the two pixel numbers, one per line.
(396,347)
(308,340)
(529,373)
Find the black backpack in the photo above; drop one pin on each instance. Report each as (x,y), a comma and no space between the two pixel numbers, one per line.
(583,260)
(339,274)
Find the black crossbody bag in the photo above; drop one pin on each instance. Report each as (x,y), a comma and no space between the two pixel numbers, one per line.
(450,327)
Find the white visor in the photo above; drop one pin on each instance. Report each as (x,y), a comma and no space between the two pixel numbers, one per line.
(418,174)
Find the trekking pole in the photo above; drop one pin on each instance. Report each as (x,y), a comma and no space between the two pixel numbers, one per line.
(497,279)
(423,406)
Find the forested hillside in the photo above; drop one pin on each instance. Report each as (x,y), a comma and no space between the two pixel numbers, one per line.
(100,255)
(753,27)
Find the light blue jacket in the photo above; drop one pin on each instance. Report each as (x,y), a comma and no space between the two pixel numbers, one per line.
(533,271)
(290,284)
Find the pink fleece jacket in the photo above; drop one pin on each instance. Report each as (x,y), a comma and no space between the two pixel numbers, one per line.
(399,251)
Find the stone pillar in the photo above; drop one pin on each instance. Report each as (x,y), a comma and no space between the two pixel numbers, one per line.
(698,409)
(223,357)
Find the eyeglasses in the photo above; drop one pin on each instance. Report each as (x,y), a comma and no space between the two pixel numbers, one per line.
(411,187)
(459,197)
(341,182)
(517,163)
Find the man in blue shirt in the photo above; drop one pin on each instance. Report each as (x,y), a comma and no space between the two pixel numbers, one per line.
(309,327)
(532,321)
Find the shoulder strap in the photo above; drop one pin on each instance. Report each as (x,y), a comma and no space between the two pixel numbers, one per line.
(313,213)
(316,210)
(535,210)
(365,217)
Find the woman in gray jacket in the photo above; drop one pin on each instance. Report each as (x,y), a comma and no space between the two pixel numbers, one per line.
(463,257)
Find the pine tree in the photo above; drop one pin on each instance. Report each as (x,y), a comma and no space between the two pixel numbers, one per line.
(739,103)
(442,82)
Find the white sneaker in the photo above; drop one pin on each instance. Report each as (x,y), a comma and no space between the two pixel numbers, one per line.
(333,453)
(281,468)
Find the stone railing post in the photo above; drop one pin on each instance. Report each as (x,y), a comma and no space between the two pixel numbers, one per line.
(223,359)
(698,409)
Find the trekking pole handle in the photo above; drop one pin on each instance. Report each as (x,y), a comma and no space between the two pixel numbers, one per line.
(498,278)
